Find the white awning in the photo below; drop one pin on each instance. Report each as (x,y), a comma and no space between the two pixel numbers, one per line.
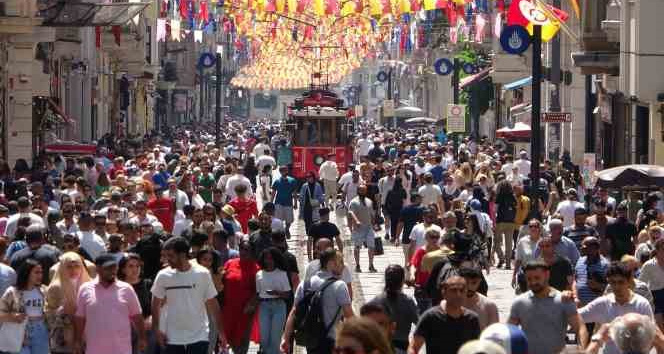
(87,14)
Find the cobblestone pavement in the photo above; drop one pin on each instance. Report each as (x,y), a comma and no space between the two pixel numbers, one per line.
(367,285)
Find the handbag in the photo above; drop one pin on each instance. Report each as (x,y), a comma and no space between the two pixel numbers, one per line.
(11,336)
(378,247)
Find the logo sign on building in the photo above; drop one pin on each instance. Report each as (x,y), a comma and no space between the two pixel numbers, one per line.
(456,118)
(514,39)
(388,108)
(443,66)
(556,117)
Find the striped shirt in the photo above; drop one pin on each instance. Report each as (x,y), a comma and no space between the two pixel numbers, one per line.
(582,270)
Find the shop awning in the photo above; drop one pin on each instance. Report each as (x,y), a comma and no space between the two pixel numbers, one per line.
(87,14)
(518,83)
(59,112)
(519,109)
(469,80)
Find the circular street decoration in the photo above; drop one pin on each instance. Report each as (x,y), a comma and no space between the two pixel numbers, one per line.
(533,14)
(381,76)
(469,68)
(515,39)
(443,66)
(207,60)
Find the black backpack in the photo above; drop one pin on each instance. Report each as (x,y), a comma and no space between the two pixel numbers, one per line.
(310,327)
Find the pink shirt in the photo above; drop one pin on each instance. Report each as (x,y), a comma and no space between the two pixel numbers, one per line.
(107,313)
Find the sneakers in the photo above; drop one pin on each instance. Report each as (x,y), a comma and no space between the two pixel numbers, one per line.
(358,269)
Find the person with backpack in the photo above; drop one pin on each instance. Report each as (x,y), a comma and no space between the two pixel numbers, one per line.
(320,303)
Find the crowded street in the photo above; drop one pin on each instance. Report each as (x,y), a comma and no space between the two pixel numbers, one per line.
(331,177)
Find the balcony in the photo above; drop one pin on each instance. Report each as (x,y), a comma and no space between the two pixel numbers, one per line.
(600,41)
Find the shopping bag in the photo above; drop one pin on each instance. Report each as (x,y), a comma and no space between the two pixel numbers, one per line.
(378,247)
(11,336)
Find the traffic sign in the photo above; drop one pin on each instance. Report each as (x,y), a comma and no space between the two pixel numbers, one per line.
(381,76)
(207,60)
(556,117)
(514,39)
(456,118)
(443,66)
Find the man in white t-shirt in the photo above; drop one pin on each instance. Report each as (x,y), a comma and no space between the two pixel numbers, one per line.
(431,193)
(191,295)
(523,163)
(417,238)
(235,180)
(567,207)
(363,146)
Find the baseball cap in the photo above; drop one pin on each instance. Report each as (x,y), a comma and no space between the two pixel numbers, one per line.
(511,338)
(475,204)
(481,346)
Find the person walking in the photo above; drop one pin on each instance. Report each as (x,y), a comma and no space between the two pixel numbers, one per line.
(188,293)
(329,173)
(273,288)
(25,302)
(311,200)
(446,327)
(361,213)
(542,313)
(106,310)
(505,227)
(284,197)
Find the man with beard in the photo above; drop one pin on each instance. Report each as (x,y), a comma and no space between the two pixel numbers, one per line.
(360,214)
(542,313)
(485,308)
(191,296)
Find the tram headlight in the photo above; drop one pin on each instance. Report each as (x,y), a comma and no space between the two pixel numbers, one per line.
(318,160)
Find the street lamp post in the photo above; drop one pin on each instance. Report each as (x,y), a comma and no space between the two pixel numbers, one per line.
(535,145)
(455,81)
(217,123)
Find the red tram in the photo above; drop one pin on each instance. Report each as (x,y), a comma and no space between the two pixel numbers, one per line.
(320,124)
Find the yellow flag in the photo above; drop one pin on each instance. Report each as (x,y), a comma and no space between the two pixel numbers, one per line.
(292,5)
(319,7)
(281,5)
(375,8)
(404,6)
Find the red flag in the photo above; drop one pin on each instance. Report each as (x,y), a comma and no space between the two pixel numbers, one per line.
(359,6)
(184,11)
(514,15)
(500,5)
(203,14)
(117,32)
(98,37)
(415,5)
(387,7)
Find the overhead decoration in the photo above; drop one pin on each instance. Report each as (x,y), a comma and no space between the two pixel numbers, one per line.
(526,13)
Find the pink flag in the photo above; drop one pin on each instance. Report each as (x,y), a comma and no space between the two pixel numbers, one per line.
(480,25)
(498,24)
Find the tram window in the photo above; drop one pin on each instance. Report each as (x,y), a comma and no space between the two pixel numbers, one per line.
(326,132)
(341,131)
(300,134)
(313,135)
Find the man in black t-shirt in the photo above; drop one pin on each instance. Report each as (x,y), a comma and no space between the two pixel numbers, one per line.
(445,328)
(409,217)
(38,249)
(324,229)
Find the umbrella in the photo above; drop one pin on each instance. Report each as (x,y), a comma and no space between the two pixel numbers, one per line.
(418,120)
(631,175)
(520,130)
(408,111)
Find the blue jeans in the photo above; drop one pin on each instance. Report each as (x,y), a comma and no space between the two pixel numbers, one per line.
(37,341)
(272,317)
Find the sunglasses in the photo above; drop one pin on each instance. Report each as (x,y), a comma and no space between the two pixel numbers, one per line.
(533,226)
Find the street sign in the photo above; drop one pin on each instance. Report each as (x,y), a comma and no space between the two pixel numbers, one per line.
(456,118)
(381,76)
(514,39)
(556,117)
(443,66)
(388,108)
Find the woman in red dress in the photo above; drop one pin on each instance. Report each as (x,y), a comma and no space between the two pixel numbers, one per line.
(244,206)
(240,298)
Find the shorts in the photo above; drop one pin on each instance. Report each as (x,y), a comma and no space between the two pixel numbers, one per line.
(284,213)
(364,235)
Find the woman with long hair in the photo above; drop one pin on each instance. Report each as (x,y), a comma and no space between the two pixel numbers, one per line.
(210,260)
(240,298)
(403,308)
(525,252)
(360,335)
(472,228)
(25,301)
(273,288)
(61,301)
(103,184)
(130,271)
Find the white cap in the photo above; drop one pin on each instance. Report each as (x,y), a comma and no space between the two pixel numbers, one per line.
(481,346)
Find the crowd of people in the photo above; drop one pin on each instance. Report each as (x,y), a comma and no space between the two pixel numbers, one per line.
(180,245)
